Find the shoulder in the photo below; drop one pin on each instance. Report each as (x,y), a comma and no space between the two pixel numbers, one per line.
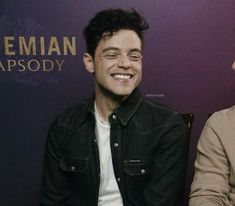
(157,113)
(219,129)
(223,115)
(65,123)
(72,116)
(222,120)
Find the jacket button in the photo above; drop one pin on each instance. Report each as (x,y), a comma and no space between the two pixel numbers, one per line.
(116,145)
(73,168)
(118,179)
(114,117)
(143,171)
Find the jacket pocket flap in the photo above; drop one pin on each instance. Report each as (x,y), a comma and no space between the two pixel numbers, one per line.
(137,168)
(73,164)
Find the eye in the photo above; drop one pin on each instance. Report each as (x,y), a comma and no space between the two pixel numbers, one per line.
(111,55)
(135,56)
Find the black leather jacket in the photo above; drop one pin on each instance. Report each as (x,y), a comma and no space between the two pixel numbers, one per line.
(148,145)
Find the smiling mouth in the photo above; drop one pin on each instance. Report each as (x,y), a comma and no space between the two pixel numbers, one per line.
(122,76)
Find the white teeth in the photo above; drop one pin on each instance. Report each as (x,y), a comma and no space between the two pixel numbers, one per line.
(122,76)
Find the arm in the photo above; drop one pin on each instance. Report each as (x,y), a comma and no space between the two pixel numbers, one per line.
(55,187)
(168,172)
(210,185)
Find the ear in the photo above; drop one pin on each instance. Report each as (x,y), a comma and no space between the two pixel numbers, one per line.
(88,62)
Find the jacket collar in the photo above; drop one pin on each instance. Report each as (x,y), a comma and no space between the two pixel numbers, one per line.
(126,110)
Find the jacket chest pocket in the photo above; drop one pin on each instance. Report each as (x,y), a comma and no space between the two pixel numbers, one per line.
(137,173)
(76,171)
(73,164)
(75,168)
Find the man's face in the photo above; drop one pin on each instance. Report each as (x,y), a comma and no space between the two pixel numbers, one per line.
(117,63)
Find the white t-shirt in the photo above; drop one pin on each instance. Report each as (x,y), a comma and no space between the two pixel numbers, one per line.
(109,193)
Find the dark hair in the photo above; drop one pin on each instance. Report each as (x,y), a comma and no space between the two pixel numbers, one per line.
(110,21)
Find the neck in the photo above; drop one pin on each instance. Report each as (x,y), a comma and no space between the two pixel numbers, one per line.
(105,105)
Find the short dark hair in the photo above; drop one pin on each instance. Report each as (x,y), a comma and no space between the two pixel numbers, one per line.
(110,21)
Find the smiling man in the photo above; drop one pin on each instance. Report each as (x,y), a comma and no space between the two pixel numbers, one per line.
(116,149)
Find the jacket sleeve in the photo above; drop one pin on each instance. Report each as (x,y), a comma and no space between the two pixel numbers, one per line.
(54,187)
(169,167)
(210,185)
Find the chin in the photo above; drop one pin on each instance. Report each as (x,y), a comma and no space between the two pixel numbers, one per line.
(116,92)
(122,91)
(122,94)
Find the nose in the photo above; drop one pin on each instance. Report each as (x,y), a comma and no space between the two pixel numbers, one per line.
(124,62)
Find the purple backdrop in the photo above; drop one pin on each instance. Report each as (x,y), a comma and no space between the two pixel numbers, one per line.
(188,54)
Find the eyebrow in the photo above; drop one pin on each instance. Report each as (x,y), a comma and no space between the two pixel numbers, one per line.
(136,50)
(117,49)
(110,48)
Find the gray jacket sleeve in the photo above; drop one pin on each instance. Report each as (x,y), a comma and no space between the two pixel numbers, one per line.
(210,186)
